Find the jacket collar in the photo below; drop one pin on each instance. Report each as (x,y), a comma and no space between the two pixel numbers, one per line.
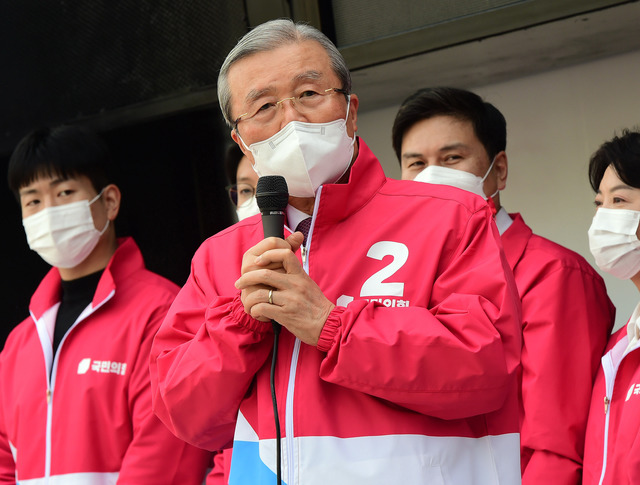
(125,260)
(339,201)
(515,239)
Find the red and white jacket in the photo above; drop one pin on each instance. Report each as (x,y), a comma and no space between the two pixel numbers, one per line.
(564,302)
(84,416)
(414,376)
(612,449)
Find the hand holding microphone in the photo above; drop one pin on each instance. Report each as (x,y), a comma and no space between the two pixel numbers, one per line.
(284,292)
(272,197)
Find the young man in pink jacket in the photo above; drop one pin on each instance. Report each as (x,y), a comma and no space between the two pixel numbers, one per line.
(451,136)
(399,319)
(75,400)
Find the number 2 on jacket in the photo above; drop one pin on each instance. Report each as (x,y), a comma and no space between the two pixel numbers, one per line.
(375,285)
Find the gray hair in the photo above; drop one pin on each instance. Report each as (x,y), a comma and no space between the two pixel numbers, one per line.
(269,36)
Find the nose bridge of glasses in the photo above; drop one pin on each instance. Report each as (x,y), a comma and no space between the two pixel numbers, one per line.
(289,111)
(286,112)
(293,100)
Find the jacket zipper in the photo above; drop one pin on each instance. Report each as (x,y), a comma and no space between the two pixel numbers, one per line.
(47,455)
(289,414)
(290,443)
(289,439)
(51,383)
(610,369)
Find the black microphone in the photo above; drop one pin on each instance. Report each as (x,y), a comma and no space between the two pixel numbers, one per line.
(272,195)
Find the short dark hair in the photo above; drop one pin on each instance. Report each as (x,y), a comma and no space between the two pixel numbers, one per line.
(232,160)
(66,151)
(623,152)
(488,123)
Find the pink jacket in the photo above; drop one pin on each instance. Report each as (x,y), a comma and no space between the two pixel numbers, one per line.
(414,376)
(566,320)
(85,417)
(219,473)
(612,450)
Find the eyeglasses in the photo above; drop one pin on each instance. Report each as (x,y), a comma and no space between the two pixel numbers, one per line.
(240,193)
(304,103)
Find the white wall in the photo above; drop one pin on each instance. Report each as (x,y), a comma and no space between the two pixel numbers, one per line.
(555,121)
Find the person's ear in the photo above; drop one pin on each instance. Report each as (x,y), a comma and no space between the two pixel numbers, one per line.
(353,114)
(501,168)
(247,153)
(111,198)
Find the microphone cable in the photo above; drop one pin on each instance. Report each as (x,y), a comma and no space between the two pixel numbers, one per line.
(276,339)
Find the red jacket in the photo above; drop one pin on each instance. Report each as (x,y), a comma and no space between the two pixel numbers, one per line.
(414,375)
(612,450)
(85,417)
(567,318)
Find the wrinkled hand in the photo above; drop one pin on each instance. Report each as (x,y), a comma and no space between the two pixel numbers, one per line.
(298,303)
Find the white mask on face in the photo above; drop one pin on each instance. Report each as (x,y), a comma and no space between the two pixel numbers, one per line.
(307,155)
(63,235)
(248,208)
(614,243)
(435,174)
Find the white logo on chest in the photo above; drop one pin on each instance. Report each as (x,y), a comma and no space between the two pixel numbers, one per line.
(102,367)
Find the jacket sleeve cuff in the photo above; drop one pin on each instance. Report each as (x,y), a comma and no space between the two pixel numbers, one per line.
(245,320)
(330,330)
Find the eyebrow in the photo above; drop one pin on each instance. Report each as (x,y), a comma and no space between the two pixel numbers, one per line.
(255,94)
(446,148)
(454,146)
(617,187)
(411,155)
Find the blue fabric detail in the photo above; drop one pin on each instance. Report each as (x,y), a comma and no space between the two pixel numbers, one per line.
(246,466)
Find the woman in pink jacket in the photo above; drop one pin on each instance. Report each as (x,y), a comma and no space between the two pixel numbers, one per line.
(612,449)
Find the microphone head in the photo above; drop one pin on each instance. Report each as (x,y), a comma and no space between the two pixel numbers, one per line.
(272,193)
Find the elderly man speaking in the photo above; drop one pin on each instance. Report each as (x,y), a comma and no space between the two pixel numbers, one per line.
(400,320)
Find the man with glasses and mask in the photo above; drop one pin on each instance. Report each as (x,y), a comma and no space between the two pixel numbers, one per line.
(450,136)
(400,340)
(75,403)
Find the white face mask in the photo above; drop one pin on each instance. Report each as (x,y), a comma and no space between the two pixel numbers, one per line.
(435,174)
(63,235)
(614,243)
(248,208)
(307,155)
